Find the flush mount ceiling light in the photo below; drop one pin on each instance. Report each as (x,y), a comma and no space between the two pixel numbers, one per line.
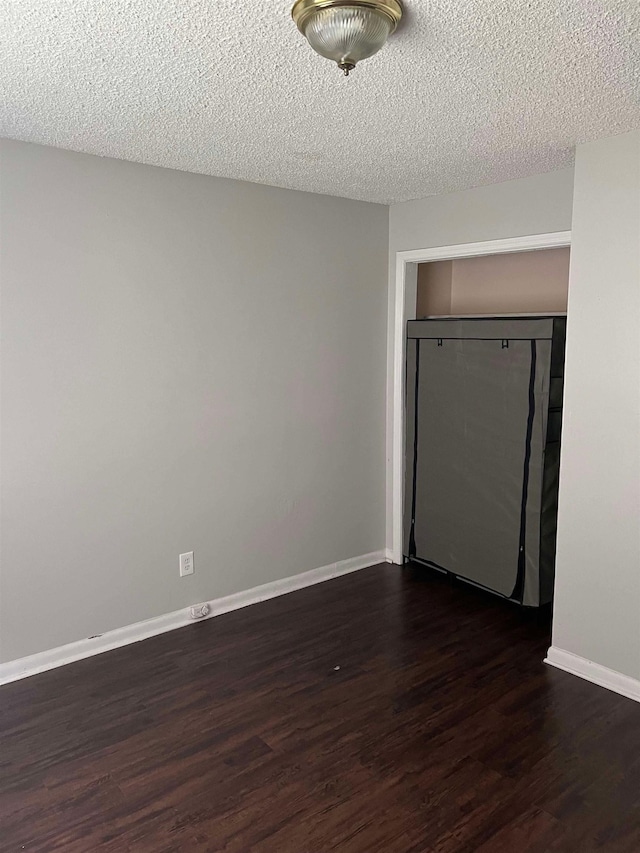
(346,30)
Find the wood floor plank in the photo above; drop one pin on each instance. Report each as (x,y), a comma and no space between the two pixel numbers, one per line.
(382,712)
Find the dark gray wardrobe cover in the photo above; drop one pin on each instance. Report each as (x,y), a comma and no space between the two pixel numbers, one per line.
(484,403)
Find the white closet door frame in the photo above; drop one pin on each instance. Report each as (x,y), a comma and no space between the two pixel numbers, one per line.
(403,302)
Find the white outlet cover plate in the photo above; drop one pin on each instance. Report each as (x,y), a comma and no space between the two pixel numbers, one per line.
(186,564)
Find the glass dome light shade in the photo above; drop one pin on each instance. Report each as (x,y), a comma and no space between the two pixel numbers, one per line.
(346,32)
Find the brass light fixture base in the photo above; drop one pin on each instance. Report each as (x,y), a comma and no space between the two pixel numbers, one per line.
(303,9)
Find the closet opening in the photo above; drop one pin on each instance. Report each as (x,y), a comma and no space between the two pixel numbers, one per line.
(484,390)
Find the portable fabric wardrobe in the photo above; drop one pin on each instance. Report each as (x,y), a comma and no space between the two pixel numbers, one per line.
(483,419)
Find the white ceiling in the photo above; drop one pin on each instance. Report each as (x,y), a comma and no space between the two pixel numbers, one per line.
(467,92)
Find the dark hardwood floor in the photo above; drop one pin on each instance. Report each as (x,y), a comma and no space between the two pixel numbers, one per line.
(441,731)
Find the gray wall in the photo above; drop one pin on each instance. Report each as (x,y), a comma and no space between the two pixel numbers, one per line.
(535,205)
(597,607)
(187,363)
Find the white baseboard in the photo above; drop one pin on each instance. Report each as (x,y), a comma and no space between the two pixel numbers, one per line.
(42,661)
(594,672)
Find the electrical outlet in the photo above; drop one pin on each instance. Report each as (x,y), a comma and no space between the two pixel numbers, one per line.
(186,564)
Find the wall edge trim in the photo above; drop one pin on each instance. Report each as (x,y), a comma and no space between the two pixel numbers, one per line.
(79,650)
(594,672)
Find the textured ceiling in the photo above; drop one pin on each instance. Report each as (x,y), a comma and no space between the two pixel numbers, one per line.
(467,92)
